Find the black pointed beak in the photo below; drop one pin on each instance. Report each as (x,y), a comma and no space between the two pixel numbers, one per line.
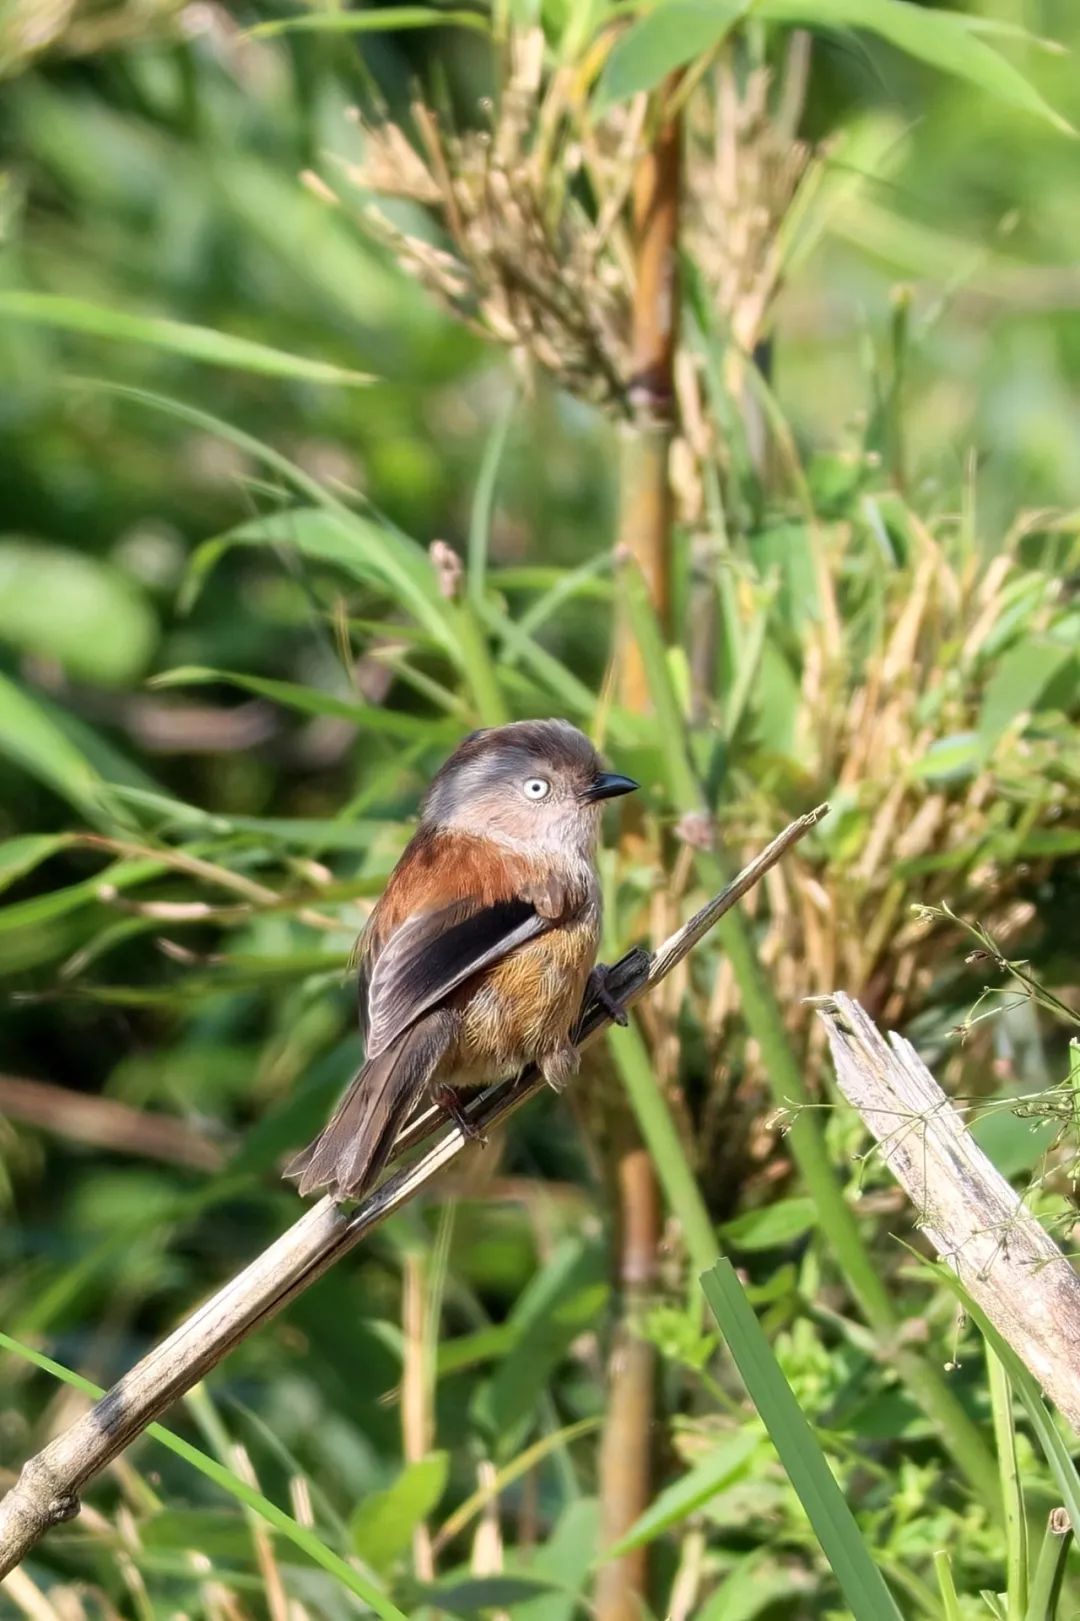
(609,785)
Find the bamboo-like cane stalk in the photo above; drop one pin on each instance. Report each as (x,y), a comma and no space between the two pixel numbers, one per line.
(646,524)
(47,1491)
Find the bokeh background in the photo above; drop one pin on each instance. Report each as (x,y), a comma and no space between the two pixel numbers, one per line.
(886,527)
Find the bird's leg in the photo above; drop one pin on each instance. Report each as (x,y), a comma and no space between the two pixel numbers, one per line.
(596,988)
(448,1098)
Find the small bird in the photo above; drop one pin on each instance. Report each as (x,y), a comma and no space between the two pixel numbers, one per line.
(477,956)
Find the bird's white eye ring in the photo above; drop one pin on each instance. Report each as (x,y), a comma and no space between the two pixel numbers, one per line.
(536,787)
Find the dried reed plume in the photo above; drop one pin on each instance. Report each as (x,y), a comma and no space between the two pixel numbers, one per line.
(531,210)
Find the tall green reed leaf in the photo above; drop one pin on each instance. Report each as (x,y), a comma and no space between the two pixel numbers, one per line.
(1012,1490)
(807,1467)
(178,337)
(654,1118)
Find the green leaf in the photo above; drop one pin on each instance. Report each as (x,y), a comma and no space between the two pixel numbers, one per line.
(662,40)
(469,1350)
(21,855)
(841,1542)
(950,759)
(76,609)
(345,832)
(370,552)
(483,504)
(382,1525)
(1013,1143)
(1019,679)
(675,31)
(670,726)
(362,22)
(474,1595)
(945,39)
(1012,1485)
(570,691)
(775,1225)
(777,701)
(566,1557)
(215,1532)
(560,1301)
(370,717)
(193,342)
(756,1583)
(723,1465)
(36,743)
(44,908)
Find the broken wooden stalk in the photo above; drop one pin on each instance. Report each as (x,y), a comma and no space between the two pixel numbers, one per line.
(978,1224)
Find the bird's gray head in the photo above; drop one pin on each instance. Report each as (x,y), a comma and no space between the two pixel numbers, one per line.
(536,782)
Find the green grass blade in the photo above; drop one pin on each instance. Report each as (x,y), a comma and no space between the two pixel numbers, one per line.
(841,1542)
(518,1466)
(296,1533)
(178,337)
(1054,1450)
(32,739)
(1012,1491)
(370,550)
(22,854)
(484,499)
(310,701)
(568,584)
(477,663)
(363,22)
(725,1464)
(670,722)
(571,692)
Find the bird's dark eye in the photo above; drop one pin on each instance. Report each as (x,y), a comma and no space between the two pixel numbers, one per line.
(536,787)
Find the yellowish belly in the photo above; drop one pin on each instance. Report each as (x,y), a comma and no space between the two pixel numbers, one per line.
(525,1007)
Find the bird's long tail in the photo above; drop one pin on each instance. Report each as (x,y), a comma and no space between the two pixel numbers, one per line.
(354,1145)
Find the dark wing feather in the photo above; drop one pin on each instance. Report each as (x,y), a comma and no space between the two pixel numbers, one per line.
(432,953)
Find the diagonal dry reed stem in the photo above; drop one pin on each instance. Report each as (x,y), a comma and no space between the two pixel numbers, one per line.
(47,1491)
(976,1221)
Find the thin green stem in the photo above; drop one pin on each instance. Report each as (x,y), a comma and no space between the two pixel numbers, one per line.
(950,1602)
(1050,1568)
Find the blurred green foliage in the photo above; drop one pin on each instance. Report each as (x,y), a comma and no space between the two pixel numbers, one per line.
(227,670)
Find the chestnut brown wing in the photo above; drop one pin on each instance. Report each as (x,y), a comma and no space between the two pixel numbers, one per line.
(431,954)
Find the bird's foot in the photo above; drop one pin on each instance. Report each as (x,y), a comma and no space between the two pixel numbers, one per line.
(452,1101)
(598,989)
